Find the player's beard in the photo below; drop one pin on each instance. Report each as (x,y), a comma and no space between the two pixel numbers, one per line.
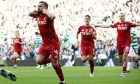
(40,12)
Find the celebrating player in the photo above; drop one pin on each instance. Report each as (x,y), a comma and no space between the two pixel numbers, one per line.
(50,48)
(88,34)
(123,38)
(17,43)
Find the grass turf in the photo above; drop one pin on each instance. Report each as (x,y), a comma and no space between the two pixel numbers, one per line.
(73,75)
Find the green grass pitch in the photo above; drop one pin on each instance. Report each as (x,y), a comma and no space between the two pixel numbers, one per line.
(73,75)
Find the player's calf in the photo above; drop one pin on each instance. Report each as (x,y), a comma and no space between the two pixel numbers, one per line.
(124,62)
(15,57)
(39,61)
(15,62)
(91,62)
(58,70)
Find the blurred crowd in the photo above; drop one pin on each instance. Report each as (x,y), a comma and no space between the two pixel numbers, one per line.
(69,16)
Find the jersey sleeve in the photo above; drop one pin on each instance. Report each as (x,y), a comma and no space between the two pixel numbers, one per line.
(132,24)
(114,25)
(79,30)
(34,15)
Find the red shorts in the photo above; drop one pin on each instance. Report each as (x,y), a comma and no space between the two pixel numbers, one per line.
(18,52)
(50,51)
(123,48)
(85,51)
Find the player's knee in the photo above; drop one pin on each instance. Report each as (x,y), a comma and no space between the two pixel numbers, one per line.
(91,58)
(39,61)
(120,57)
(125,54)
(83,59)
(125,59)
(91,61)
(129,58)
(54,62)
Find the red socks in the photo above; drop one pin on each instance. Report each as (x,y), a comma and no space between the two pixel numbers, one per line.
(59,72)
(124,69)
(15,61)
(91,66)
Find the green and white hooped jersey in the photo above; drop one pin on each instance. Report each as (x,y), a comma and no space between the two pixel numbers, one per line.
(134,38)
(37,42)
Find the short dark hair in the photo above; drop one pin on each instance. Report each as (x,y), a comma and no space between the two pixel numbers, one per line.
(36,33)
(122,14)
(88,16)
(45,3)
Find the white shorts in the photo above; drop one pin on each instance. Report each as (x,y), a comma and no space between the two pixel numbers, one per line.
(132,52)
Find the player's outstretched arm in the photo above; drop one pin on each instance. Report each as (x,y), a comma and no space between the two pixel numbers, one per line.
(33,13)
(77,38)
(137,24)
(103,26)
(50,15)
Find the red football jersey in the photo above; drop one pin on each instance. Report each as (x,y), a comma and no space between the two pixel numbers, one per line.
(123,30)
(17,45)
(87,33)
(46,28)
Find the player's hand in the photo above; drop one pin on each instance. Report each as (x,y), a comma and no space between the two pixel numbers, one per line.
(50,15)
(18,42)
(94,37)
(35,11)
(44,11)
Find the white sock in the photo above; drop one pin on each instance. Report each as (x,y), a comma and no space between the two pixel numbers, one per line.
(42,65)
(128,66)
(62,81)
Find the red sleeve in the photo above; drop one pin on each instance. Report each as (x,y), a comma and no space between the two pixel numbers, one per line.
(21,39)
(114,25)
(132,24)
(34,15)
(79,30)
